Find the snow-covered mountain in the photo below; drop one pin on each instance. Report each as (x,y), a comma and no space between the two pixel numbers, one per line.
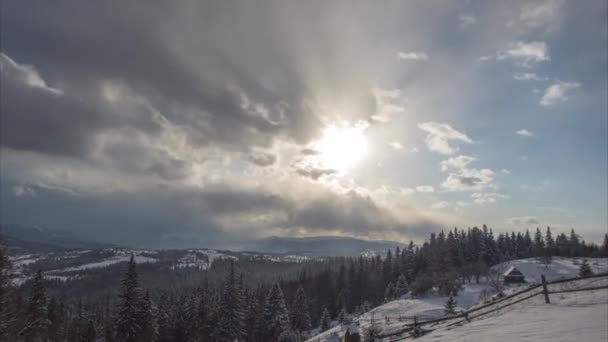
(323,246)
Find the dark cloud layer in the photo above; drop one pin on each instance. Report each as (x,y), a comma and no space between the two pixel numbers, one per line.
(174,216)
(135,97)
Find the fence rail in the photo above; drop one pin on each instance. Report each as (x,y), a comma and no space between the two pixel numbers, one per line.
(416,325)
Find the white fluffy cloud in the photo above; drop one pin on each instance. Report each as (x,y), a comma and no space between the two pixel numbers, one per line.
(466,20)
(396,145)
(440,205)
(413,56)
(558,92)
(458,162)
(487,197)
(388,103)
(526,53)
(524,133)
(469,180)
(541,14)
(528,76)
(425,188)
(439,136)
(523,221)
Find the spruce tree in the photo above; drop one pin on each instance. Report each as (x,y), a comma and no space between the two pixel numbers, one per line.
(6,312)
(401,287)
(300,315)
(129,321)
(539,244)
(276,316)
(150,327)
(585,269)
(450,306)
(55,312)
(325,322)
(37,322)
(231,325)
(389,292)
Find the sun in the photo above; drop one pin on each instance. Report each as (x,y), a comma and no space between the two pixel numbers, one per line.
(342,146)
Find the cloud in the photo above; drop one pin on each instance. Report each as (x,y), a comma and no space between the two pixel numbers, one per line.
(440,205)
(505,171)
(425,188)
(396,145)
(314,173)
(541,14)
(406,191)
(262,158)
(526,53)
(458,162)
(558,92)
(528,76)
(469,180)
(466,20)
(487,197)
(388,103)
(524,133)
(439,136)
(523,221)
(23,190)
(413,56)
(414,150)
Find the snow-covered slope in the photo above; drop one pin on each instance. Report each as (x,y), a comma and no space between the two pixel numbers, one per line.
(571,317)
(557,269)
(389,316)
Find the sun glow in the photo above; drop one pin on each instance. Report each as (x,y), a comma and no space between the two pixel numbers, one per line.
(342,146)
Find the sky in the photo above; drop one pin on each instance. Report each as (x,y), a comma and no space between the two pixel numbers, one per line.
(212,123)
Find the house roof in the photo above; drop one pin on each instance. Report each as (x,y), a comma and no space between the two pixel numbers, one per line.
(513,272)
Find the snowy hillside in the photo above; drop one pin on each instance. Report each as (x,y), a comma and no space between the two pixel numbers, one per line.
(391,316)
(571,317)
(557,269)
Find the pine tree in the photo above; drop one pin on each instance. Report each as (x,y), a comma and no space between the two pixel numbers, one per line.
(231,325)
(450,306)
(389,291)
(604,250)
(539,244)
(55,312)
(129,311)
(585,269)
(150,327)
(342,317)
(549,242)
(401,287)
(6,312)
(37,322)
(300,316)
(276,316)
(325,322)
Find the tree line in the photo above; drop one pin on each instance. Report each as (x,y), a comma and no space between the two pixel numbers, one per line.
(283,309)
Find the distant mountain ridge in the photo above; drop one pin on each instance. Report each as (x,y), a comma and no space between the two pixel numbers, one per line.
(322,245)
(35,239)
(28,238)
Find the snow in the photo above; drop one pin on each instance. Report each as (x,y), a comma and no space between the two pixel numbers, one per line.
(536,324)
(192,259)
(539,323)
(559,268)
(105,263)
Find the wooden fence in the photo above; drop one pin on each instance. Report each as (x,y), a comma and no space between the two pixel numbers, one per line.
(415,328)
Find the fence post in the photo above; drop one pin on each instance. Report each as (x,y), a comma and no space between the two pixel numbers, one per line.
(415,329)
(545,292)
